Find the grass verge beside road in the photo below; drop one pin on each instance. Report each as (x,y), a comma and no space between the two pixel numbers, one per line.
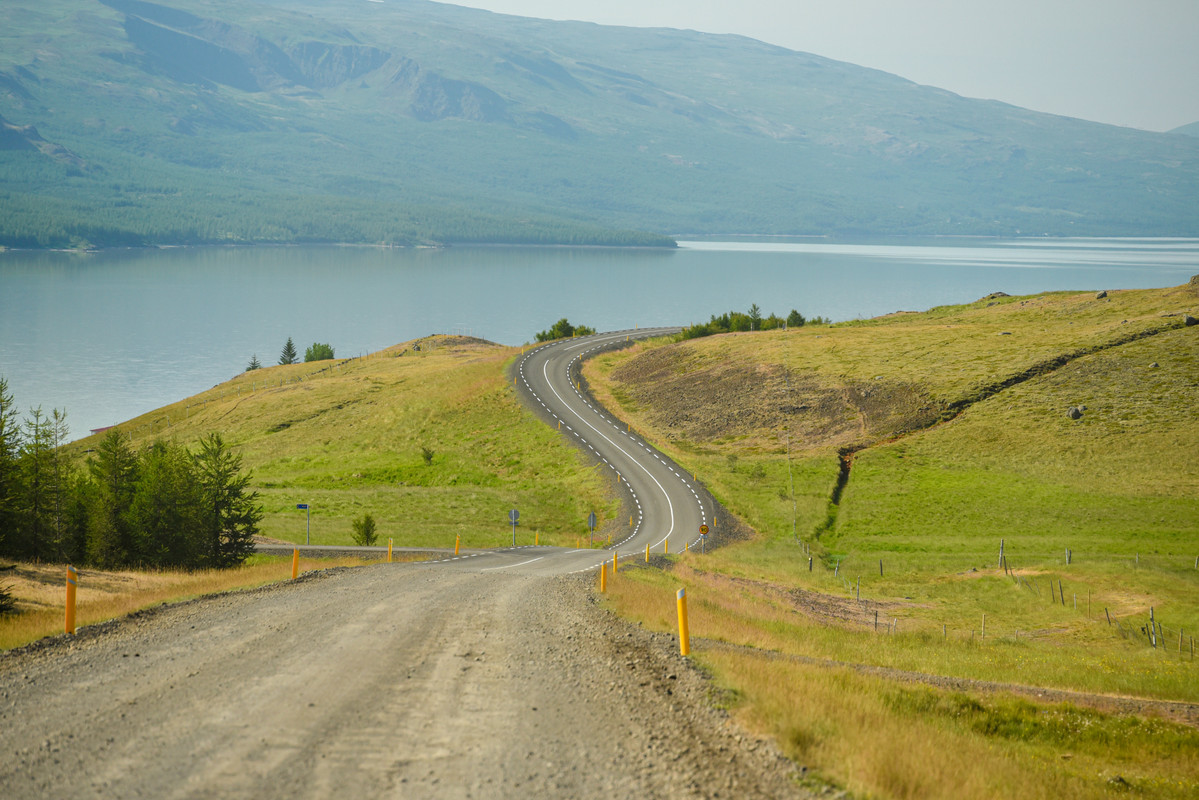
(108,594)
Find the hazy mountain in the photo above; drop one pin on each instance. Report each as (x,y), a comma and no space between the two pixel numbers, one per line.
(1187,130)
(299,120)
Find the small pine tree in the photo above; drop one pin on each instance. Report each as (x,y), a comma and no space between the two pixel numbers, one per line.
(288,356)
(365,534)
(254,363)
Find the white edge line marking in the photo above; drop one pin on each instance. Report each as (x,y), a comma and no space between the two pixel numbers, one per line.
(670,505)
(510,566)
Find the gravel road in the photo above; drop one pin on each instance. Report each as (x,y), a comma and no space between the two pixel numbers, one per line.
(394,680)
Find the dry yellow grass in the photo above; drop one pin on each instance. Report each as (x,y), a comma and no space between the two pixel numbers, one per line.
(40,591)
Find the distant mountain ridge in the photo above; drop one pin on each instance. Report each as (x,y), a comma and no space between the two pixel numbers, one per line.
(411,122)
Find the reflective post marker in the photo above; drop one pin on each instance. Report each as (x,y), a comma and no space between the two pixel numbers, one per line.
(308,522)
(72,579)
(389,544)
(295,563)
(684,635)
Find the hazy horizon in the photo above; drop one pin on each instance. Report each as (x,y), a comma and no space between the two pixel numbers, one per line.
(1109,61)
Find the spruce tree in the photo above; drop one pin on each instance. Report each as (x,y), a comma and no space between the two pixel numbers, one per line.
(10,477)
(110,535)
(231,510)
(254,363)
(288,356)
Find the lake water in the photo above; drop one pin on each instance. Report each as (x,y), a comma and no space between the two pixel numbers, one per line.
(107,336)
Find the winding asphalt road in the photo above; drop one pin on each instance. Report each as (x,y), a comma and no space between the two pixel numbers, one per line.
(667,506)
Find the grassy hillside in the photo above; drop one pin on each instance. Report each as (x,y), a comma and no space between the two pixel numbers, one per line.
(199,121)
(899,453)
(348,437)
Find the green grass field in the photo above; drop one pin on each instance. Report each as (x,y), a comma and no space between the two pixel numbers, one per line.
(954,428)
(348,438)
(957,422)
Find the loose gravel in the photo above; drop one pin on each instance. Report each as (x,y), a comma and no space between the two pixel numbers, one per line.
(394,680)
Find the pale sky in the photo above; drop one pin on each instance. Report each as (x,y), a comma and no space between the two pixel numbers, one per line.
(1124,62)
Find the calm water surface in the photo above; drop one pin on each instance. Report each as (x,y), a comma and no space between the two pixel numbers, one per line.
(111,335)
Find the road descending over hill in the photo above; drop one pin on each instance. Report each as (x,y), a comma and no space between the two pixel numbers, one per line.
(491,675)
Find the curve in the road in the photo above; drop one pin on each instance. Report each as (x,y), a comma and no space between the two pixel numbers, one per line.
(669,509)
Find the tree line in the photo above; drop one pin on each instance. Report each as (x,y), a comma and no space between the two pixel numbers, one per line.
(562,329)
(752,320)
(317,352)
(161,506)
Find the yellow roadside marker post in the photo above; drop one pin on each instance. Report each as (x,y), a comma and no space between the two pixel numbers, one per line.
(684,636)
(389,544)
(72,579)
(295,563)
(457,543)
(614,556)
(647,554)
(604,577)
(665,547)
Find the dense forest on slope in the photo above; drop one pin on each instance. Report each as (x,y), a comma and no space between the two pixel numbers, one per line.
(200,121)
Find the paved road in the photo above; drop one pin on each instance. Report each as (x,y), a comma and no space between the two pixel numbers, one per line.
(668,507)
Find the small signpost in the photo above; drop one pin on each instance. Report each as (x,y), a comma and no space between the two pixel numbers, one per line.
(590,528)
(513,516)
(307,523)
(703,539)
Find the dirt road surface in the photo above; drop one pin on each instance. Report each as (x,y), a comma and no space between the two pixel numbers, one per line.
(394,680)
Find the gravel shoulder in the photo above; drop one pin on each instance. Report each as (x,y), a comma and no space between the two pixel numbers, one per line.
(394,680)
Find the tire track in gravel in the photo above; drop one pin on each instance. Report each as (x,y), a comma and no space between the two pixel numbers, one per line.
(393,680)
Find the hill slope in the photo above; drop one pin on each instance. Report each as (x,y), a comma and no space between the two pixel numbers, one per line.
(128,121)
(426,436)
(928,513)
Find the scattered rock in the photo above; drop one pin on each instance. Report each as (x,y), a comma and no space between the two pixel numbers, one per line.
(1189,321)
(1100,295)
(1154,365)
(994,295)
(1005,333)
(1074,413)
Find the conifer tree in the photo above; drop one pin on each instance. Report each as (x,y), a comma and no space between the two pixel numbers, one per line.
(288,356)
(10,447)
(254,363)
(110,536)
(232,514)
